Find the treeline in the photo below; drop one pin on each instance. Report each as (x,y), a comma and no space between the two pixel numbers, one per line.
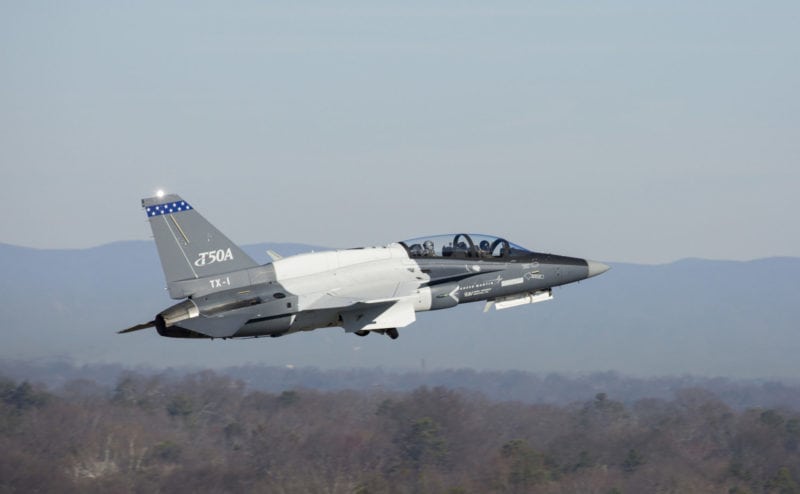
(510,385)
(209,433)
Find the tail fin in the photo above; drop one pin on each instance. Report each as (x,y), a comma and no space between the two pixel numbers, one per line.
(188,245)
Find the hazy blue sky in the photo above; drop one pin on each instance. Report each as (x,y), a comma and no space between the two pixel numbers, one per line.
(621,131)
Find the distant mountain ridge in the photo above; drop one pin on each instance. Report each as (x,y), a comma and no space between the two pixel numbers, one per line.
(509,385)
(694,316)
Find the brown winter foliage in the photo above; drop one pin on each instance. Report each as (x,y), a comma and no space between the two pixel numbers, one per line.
(208,433)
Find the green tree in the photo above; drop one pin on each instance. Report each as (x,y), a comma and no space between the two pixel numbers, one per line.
(771,418)
(423,443)
(24,396)
(632,461)
(584,460)
(783,483)
(165,451)
(288,398)
(180,406)
(525,466)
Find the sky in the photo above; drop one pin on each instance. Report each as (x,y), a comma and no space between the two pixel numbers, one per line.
(614,130)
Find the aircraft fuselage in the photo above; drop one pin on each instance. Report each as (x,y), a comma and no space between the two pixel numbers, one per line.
(228,295)
(289,294)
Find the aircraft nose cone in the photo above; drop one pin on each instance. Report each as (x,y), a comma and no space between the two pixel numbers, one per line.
(596,268)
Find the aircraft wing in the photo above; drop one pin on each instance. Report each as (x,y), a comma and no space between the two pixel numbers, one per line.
(370,307)
(380,315)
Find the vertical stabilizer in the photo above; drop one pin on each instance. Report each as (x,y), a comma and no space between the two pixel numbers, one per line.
(188,245)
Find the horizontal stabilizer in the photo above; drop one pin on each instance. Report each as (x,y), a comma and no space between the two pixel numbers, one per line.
(216,327)
(138,327)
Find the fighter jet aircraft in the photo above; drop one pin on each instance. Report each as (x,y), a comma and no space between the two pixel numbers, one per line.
(226,294)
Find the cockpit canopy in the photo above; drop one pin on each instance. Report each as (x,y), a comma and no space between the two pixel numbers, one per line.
(464,245)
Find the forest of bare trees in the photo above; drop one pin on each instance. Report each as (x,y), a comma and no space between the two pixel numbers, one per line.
(205,432)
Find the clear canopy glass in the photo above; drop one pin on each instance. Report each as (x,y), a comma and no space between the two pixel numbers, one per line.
(464,245)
